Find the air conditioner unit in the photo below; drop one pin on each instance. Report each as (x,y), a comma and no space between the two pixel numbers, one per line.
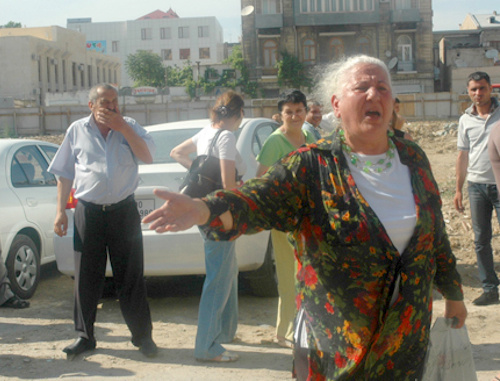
(81,67)
(36,91)
(35,57)
(53,61)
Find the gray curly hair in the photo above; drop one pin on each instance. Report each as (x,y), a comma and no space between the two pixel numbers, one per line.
(333,77)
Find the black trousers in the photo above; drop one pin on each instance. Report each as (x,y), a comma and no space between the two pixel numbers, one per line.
(115,231)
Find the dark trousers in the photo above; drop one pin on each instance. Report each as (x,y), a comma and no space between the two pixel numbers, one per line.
(117,232)
(483,200)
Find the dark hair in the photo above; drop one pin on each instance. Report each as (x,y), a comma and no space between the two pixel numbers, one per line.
(477,76)
(397,100)
(226,106)
(293,96)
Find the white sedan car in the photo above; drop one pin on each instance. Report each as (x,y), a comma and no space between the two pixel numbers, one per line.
(28,204)
(182,253)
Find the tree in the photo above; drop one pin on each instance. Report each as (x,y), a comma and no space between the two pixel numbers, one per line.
(12,24)
(292,72)
(236,61)
(146,69)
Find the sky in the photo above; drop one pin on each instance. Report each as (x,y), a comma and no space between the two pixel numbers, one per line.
(448,14)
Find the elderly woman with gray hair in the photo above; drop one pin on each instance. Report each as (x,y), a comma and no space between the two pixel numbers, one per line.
(370,240)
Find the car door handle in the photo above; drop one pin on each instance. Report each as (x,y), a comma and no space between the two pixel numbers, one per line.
(30,201)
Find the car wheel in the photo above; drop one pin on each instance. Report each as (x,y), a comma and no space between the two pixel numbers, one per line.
(263,281)
(23,266)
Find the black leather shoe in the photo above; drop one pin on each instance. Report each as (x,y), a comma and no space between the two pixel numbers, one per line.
(80,345)
(148,348)
(486,299)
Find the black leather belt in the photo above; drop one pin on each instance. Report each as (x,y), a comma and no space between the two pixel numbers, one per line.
(108,207)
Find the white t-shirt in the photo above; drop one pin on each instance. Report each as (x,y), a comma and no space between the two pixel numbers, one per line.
(224,148)
(390,195)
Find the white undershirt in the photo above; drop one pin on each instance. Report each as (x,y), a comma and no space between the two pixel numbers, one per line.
(390,195)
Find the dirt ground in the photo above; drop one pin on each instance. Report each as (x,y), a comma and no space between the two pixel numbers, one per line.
(32,339)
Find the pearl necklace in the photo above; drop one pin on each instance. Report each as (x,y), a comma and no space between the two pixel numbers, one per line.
(366,165)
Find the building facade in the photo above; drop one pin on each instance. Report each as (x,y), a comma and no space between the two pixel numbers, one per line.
(474,46)
(176,40)
(38,61)
(321,31)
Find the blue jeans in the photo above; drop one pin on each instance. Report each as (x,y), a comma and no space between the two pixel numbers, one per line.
(218,311)
(483,199)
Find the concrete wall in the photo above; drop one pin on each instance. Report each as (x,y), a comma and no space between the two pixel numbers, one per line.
(30,121)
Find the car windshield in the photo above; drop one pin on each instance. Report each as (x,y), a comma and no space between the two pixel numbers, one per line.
(166,140)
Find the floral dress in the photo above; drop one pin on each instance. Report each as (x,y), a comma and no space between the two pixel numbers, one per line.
(347,264)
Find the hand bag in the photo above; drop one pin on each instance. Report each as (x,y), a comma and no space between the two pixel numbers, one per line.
(449,357)
(204,176)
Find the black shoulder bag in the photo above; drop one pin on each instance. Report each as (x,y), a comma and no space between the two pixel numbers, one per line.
(204,176)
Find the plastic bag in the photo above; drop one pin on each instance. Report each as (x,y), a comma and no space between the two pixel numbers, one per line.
(449,357)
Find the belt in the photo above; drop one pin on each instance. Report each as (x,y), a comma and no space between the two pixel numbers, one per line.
(108,207)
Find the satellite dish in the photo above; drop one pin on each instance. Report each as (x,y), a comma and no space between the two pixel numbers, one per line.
(392,62)
(387,53)
(248,10)
(491,53)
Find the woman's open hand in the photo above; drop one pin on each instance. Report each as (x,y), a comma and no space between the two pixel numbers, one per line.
(179,212)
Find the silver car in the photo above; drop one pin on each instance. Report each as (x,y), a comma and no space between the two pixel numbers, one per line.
(182,253)
(28,204)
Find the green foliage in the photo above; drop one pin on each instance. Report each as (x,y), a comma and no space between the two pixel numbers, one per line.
(7,131)
(292,73)
(236,61)
(183,76)
(12,24)
(146,69)
(177,76)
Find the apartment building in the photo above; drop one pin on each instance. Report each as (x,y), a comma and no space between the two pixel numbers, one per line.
(37,61)
(176,40)
(321,31)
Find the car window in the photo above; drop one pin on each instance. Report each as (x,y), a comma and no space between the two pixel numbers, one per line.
(166,140)
(49,151)
(29,169)
(261,134)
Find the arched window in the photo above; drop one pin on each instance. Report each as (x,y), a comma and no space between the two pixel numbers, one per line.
(336,48)
(405,53)
(363,45)
(270,53)
(309,50)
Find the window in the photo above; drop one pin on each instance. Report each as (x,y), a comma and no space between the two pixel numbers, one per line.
(183,32)
(29,168)
(146,34)
(311,6)
(404,48)
(270,53)
(165,34)
(330,6)
(64,72)
(363,45)
(402,4)
(115,46)
(203,31)
(405,53)
(204,53)
(270,7)
(184,54)
(336,48)
(309,51)
(166,54)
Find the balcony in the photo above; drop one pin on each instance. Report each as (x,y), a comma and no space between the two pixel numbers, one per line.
(269,21)
(405,15)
